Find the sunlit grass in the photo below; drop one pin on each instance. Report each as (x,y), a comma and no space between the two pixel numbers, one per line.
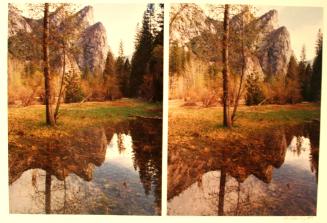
(29,122)
(194,123)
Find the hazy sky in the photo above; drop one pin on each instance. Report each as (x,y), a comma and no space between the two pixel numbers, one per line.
(120,21)
(302,23)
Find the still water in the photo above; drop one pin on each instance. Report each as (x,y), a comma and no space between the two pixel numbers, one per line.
(272,173)
(89,174)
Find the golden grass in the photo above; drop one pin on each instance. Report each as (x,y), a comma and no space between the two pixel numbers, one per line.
(192,124)
(28,123)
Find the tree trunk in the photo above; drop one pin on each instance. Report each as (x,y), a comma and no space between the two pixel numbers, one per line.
(221,195)
(47,78)
(239,91)
(61,84)
(227,119)
(48,193)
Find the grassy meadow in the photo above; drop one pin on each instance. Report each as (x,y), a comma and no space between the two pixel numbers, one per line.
(193,125)
(29,122)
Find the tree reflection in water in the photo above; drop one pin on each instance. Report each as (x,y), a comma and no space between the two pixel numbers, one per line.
(237,192)
(147,141)
(52,168)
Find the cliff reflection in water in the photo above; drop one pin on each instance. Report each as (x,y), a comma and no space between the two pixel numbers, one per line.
(88,173)
(270,173)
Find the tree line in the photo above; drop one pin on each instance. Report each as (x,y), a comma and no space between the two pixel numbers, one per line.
(143,76)
(302,81)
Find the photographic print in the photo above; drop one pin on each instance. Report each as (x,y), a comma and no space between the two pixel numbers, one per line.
(244,109)
(85,108)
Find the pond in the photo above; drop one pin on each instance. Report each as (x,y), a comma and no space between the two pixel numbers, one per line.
(114,170)
(274,172)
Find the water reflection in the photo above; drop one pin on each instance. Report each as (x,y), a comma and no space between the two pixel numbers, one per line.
(273,173)
(112,170)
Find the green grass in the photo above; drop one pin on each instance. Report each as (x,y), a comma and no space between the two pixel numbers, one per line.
(189,125)
(29,122)
(282,115)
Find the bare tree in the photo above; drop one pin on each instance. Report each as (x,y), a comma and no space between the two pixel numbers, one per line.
(244,39)
(50,120)
(227,122)
(63,40)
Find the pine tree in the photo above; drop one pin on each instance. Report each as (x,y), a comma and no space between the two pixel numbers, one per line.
(111,83)
(121,49)
(146,68)
(303,77)
(126,76)
(156,61)
(308,75)
(109,69)
(120,68)
(317,70)
(73,88)
(144,40)
(254,94)
(292,83)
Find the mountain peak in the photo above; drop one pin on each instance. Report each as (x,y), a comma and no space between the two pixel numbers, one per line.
(275,52)
(98,26)
(95,45)
(16,22)
(268,21)
(85,16)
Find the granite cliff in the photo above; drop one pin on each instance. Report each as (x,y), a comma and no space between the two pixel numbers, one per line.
(90,39)
(268,54)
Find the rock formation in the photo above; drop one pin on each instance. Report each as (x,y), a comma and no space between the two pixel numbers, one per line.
(90,38)
(94,45)
(16,22)
(275,52)
(270,45)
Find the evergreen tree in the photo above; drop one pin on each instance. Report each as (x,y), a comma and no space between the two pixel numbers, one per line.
(111,83)
(120,68)
(317,70)
(156,61)
(292,83)
(73,88)
(308,75)
(126,76)
(254,94)
(147,61)
(303,77)
(109,69)
(121,49)
(144,40)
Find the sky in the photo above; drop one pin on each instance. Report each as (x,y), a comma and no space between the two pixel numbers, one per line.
(302,23)
(120,21)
